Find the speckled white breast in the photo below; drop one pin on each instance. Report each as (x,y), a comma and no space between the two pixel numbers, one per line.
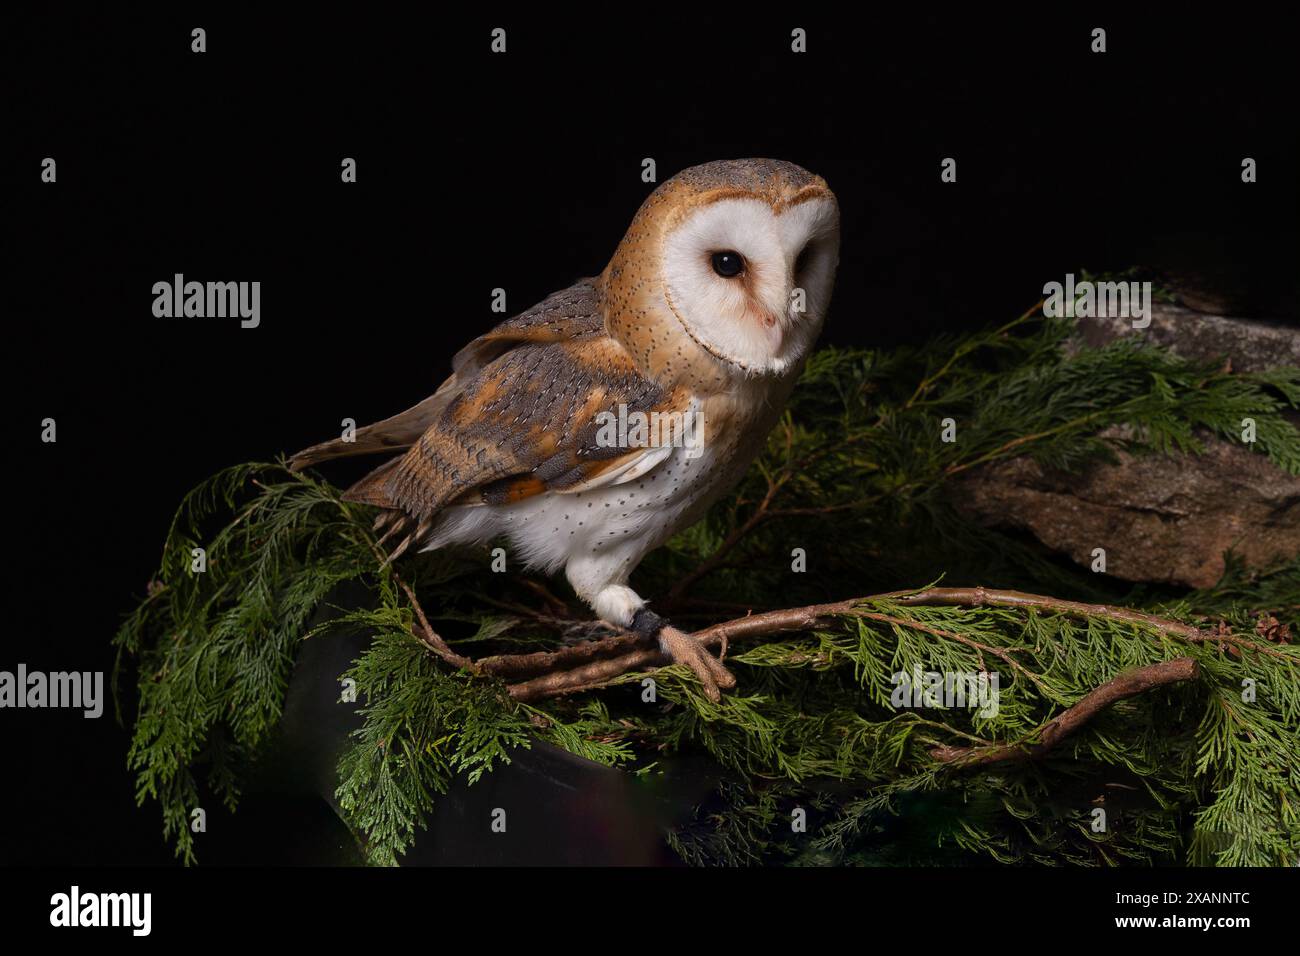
(599,535)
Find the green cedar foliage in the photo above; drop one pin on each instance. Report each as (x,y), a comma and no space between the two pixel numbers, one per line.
(856,475)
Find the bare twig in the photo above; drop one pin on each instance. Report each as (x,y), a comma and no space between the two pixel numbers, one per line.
(424,631)
(429,635)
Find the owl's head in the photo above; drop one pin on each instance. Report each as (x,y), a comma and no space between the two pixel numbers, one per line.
(744,255)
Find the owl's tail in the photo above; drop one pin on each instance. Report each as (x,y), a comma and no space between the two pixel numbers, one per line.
(392,434)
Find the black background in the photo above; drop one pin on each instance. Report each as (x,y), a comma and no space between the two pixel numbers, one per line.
(521,171)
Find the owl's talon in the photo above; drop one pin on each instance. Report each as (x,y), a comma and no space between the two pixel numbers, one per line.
(683,648)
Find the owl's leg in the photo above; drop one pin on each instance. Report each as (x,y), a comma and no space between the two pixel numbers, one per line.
(620,605)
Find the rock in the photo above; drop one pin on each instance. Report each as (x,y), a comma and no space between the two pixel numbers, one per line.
(1159,519)
(1249,345)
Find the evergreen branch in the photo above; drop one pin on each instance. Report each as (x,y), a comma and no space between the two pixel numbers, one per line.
(858,458)
(968,346)
(595,664)
(990,597)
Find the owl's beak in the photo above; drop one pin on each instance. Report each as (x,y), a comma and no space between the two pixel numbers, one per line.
(771,322)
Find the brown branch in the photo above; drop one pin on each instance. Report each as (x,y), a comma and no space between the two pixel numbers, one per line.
(591,665)
(1122,686)
(586,677)
(639,653)
(430,636)
(516,666)
(582,667)
(594,664)
(520,666)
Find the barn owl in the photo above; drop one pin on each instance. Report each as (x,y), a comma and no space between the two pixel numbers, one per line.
(703,317)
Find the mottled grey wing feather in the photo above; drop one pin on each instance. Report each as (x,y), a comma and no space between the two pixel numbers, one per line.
(527,422)
(571,313)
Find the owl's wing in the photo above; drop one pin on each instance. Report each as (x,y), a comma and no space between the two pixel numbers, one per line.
(570,314)
(517,417)
(528,421)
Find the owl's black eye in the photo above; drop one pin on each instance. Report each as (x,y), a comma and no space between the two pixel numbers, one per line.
(801,262)
(728,264)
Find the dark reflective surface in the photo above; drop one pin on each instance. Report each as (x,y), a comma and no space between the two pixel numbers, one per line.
(559,809)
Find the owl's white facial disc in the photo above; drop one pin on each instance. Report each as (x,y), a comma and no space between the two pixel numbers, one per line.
(751,284)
